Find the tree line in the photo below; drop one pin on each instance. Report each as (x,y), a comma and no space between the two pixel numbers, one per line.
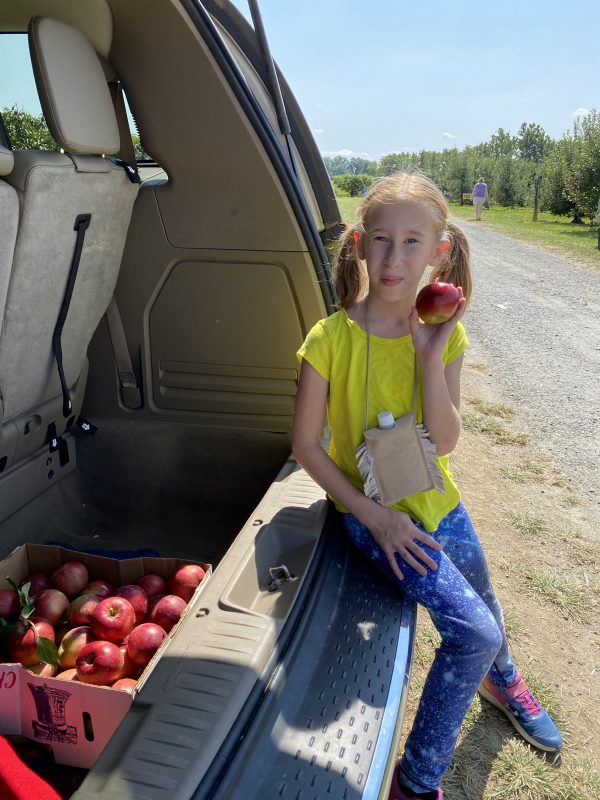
(567,169)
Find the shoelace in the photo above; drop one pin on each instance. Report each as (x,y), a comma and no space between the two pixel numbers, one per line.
(527,703)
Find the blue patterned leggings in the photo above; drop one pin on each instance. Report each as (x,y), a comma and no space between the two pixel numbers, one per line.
(468,617)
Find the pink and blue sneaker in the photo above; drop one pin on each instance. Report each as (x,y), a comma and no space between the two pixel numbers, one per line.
(397,792)
(524,712)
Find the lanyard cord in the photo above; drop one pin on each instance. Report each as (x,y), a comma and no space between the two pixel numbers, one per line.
(369,371)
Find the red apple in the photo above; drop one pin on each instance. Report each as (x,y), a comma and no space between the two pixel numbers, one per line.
(152,584)
(72,644)
(125,685)
(99,663)
(152,601)
(184,582)
(60,630)
(144,641)
(38,581)
(80,610)
(113,618)
(23,640)
(138,599)
(100,588)
(51,604)
(437,302)
(10,606)
(167,611)
(130,670)
(42,670)
(70,578)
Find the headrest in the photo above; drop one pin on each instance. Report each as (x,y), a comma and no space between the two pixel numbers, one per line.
(72,87)
(7,161)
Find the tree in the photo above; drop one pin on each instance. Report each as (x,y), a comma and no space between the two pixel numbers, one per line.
(336,165)
(584,187)
(27,131)
(533,143)
(353,184)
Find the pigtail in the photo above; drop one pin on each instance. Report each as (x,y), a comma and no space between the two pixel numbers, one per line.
(455,266)
(348,273)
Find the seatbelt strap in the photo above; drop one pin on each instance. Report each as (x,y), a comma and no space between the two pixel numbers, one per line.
(130,391)
(81,225)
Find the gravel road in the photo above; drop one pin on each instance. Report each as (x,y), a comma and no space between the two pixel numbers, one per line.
(535,319)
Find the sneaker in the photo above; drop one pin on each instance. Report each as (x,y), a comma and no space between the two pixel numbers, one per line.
(396,793)
(524,711)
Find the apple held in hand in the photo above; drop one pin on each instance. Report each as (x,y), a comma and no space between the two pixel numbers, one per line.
(144,641)
(112,619)
(185,581)
(99,663)
(70,578)
(437,302)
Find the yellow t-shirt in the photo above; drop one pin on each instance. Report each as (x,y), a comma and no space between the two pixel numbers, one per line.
(337,348)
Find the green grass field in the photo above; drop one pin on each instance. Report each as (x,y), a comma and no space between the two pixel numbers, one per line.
(549,232)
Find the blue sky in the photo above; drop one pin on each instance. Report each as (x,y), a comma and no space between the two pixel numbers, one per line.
(379,76)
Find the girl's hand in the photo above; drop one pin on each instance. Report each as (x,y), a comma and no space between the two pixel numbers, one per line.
(395,532)
(430,340)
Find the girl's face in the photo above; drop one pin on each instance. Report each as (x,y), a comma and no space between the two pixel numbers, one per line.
(399,243)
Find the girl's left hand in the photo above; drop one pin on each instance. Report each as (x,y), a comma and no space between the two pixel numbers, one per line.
(430,340)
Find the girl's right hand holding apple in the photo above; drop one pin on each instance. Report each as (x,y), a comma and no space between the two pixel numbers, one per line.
(396,533)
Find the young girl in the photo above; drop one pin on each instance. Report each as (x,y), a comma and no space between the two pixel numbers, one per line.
(426,543)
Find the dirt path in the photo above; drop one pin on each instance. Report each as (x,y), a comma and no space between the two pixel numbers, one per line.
(527,464)
(536,318)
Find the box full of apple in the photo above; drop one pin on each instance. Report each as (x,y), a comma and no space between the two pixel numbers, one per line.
(79,635)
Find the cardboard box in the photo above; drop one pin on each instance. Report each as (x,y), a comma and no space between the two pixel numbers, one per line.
(75,719)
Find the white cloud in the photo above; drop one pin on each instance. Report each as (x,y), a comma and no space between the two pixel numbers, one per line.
(345,153)
(580,112)
(447,135)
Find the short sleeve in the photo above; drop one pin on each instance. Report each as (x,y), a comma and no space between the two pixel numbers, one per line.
(457,343)
(316,349)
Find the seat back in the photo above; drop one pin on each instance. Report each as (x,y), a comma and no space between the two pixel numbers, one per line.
(54,188)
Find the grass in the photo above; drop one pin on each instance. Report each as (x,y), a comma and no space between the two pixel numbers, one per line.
(493,409)
(571,598)
(479,423)
(549,232)
(526,471)
(526,523)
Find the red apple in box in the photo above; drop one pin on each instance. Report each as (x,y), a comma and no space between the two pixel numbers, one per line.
(138,599)
(38,581)
(72,644)
(125,685)
(113,618)
(80,609)
(167,611)
(99,663)
(130,670)
(23,640)
(144,641)
(437,302)
(70,578)
(185,581)
(100,588)
(51,605)
(152,584)
(152,602)
(10,606)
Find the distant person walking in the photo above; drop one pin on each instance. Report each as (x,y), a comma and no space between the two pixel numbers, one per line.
(479,196)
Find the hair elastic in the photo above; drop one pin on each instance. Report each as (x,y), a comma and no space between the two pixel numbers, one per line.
(356,238)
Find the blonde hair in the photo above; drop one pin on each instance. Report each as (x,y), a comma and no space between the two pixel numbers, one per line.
(349,275)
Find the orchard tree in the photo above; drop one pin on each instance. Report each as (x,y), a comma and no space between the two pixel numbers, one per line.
(27,131)
(584,187)
(533,143)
